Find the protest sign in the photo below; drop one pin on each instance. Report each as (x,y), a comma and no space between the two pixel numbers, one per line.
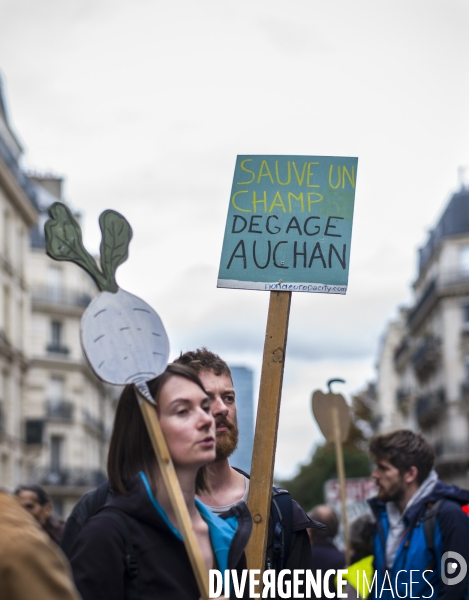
(333,417)
(288,229)
(124,342)
(289,224)
(357,491)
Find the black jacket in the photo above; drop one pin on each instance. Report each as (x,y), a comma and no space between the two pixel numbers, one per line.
(164,570)
(326,555)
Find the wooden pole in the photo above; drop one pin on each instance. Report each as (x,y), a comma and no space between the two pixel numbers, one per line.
(341,472)
(265,440)
(171,482)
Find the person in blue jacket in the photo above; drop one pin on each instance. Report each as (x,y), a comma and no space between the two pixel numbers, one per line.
(421,546)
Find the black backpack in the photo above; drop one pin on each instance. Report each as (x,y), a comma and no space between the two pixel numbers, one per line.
(429,523)
(281,510)
(92,503)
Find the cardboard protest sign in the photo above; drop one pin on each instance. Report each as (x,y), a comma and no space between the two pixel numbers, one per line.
(357,491)
(289,224)
(124,342)
(323,408)
(333,417)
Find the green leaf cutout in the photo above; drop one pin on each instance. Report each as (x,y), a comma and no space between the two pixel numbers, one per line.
(116,237)
(64,242)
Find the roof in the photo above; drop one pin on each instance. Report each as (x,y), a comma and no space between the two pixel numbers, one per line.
(453,221)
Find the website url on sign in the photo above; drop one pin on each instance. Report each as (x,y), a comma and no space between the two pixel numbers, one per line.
(306,287)
(277,286)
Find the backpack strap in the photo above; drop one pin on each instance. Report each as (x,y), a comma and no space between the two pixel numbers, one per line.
(130,556)
(282,516)
(86,508)
(429,524)
(100,496)
(281,511)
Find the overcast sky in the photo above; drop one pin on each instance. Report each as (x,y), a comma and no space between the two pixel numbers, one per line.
(143,106)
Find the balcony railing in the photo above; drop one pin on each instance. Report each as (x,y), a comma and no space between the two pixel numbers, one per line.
(426,358)
(59,410)
(54,348)
(452,457)
(444,284)
(92,421)
(465,391)
(449,448)
(67,477)
(403,400)
(401,354)
(429,291)
(429,407)
(59,296)
(454,277)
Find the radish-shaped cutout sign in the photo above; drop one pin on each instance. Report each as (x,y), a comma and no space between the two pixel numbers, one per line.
(123,338)
(124,342)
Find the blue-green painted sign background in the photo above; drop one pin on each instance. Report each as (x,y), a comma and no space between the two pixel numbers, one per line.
(289,224)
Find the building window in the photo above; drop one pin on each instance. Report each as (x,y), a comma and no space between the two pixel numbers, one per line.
(20,253)
(466,369)
(54,283)
(7,312)
(56,333)
(55,391)
(6,234)
(56,406)
(464,259)
(56,453)
(56,343)
(465,315)
(34,429)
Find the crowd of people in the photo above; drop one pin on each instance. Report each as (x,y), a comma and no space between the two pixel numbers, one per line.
(121,541)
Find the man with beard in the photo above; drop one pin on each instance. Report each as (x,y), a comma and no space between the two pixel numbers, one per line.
(421,547)
(228,485)
(288,546)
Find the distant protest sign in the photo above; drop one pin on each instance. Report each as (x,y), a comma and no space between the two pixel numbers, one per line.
(357,491)
(289,224)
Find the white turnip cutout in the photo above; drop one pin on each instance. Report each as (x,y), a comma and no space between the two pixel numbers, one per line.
(123,338)
(124,341)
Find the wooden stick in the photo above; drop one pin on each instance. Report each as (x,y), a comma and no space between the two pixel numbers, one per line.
(265,440)
(171,482)
(341,472)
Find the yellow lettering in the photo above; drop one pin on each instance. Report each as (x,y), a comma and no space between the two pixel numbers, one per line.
(300,179)
(266,174)
(234,203)
(310,174)
(334,187)
(351,179)
(275,203)
(243,168)
(298,199)
(288,171)
(255,201)
(313,201)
